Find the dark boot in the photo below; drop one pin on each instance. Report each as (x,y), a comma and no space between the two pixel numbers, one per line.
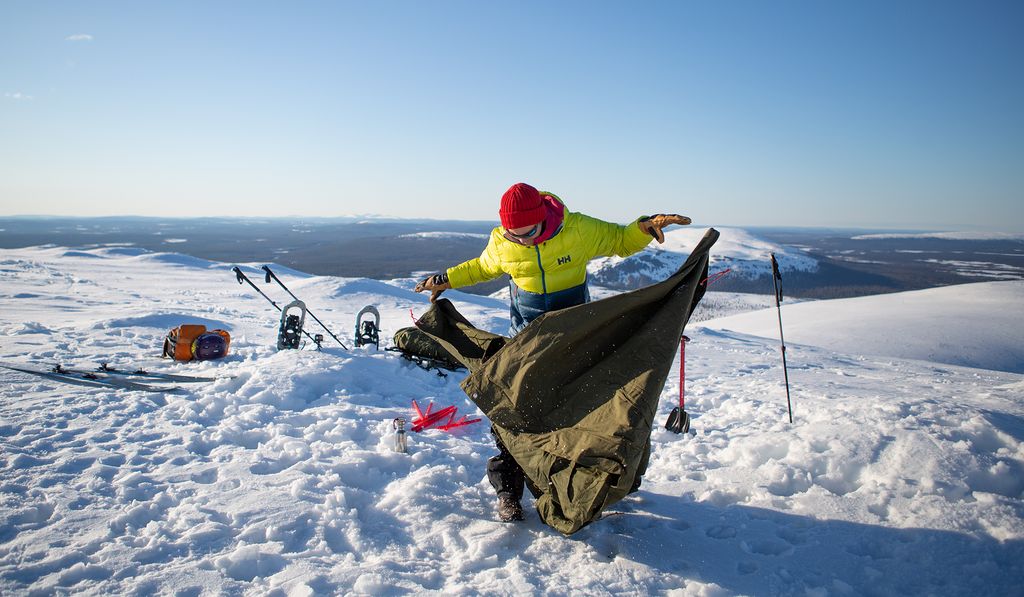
(508,481)
(509,508)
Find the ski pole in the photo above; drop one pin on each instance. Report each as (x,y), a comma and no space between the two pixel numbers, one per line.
(243,278)
(777,282)
(271,275)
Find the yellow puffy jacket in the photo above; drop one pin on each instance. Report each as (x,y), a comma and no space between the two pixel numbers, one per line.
(557,264)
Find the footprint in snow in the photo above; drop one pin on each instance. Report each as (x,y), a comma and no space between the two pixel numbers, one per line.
(206,477)
(791,536)
(767,547)
(721,532)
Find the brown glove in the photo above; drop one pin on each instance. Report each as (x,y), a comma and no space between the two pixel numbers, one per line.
(655,223)
(436,284)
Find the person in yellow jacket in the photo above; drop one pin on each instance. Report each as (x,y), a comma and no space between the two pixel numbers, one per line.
(545,249)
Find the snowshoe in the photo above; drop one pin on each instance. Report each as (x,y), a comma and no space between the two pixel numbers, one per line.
(368,332)
(293,317)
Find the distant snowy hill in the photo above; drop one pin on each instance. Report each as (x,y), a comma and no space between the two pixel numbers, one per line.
(446,235)
(963,235)
(739,250)
(897,477)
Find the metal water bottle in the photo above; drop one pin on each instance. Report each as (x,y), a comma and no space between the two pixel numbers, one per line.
(401,441)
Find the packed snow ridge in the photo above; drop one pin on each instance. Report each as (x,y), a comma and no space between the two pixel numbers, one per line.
(898,475)
(970,325)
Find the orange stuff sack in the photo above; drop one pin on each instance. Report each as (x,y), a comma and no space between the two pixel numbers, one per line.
(178,343)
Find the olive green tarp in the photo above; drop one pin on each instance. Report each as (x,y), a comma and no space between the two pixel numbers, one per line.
(574,395)
(414,343)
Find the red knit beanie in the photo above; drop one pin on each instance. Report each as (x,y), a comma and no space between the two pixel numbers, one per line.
(521,206)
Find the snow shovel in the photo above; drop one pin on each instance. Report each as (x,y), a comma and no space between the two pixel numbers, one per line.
(678,420)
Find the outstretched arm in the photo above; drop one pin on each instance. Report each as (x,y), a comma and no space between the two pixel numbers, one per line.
(606,239)
(481,269)
(485,267)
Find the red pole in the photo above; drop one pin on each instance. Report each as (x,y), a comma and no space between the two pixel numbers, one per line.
(682,372)
(678,421)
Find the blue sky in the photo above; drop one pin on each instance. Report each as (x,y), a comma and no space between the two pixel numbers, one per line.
(791,113)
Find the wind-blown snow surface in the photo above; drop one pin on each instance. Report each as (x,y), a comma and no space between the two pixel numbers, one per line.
(974,325)
(896,477)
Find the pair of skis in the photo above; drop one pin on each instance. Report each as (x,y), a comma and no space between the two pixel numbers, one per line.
(291,325)
(109,377)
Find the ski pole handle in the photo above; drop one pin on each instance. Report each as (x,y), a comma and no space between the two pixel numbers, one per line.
(776,279)
(241,277)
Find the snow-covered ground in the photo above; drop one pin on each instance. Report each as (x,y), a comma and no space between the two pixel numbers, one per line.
(897,477)
(972,325)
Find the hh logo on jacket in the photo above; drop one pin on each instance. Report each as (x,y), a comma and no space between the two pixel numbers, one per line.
(564,260)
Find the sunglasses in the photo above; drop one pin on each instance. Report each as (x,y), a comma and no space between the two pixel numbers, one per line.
(532,232)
